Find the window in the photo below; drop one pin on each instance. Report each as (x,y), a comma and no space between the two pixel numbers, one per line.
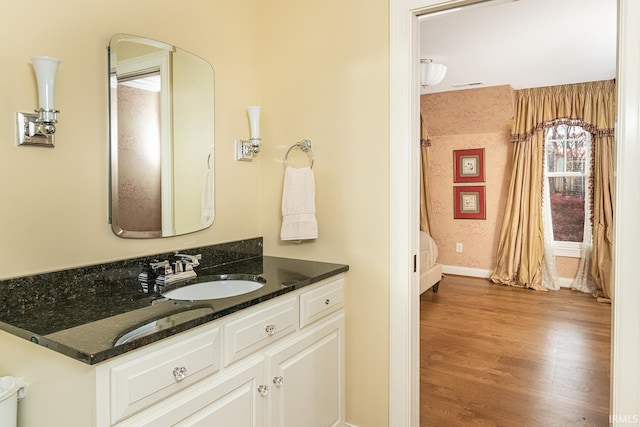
(567,167)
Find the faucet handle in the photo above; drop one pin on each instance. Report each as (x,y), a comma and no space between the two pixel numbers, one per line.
(149,278)
(162,268)
(179,267)
(192,260)
(157,264)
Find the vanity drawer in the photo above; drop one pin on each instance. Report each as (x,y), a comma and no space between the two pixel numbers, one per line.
(146,379)
(316,304)
(263,326)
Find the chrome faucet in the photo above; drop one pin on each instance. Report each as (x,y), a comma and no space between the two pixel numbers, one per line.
(161,273)
(192,260)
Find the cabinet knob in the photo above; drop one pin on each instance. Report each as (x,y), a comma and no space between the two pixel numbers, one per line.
(270,329)
(263,390)
(180,373)
(278,381)
(327,301)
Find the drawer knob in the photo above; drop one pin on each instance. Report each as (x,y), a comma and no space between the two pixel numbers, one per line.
(326,302)
(263,390)
(270,329)
(278,381)
(180,373)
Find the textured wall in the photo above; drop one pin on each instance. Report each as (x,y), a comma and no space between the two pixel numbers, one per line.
(139,197)
(475,118)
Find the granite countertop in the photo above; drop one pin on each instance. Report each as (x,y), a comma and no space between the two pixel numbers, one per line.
(86,326)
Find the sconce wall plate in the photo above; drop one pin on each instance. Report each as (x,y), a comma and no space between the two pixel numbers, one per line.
(27,126)
(244,150)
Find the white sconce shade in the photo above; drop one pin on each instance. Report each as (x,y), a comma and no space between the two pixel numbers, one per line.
(46,69)
(254,121)
(246,149)
(431,73)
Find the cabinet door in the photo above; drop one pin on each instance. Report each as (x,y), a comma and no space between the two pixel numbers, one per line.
(306,378)
(231,400)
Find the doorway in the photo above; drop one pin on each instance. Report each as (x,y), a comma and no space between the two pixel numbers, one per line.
(404,161)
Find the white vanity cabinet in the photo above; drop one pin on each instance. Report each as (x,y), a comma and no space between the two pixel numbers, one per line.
(279,363)
(306,378)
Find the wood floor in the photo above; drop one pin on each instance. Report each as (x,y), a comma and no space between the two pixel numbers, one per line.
(500,356)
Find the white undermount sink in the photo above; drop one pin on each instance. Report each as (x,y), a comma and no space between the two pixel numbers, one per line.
(221,287)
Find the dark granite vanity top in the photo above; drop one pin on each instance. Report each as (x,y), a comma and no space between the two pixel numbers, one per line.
(83,312)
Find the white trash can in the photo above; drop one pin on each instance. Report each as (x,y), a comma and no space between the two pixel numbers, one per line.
(9,388)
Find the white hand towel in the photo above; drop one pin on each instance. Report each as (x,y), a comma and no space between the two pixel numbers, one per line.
(299,205)
(206,203)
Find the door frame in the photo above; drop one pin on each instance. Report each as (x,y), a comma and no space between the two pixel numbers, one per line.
(404,304)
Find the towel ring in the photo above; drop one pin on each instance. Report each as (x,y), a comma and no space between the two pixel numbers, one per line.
(304,145)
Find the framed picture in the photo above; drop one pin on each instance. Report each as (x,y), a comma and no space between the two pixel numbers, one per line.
(469,202)
(468,165)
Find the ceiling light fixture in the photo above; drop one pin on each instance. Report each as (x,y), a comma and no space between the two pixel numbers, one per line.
(431,73)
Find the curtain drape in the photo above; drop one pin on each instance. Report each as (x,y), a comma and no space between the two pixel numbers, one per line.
(549,270)
(602,212)
(425,189)
(521,244)
(520,249)
(583,281)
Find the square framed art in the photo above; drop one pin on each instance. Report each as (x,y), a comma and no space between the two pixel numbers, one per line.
(468,165)
(469,202)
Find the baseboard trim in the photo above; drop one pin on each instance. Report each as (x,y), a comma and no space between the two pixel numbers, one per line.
(466,271)
(564,282)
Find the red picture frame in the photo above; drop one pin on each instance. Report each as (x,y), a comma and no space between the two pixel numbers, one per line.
(469,202)
(468,165)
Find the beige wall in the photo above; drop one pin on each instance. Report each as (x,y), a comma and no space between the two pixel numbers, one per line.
(53,381)
(54,201)
(325,77)
(474,118)
(320,71)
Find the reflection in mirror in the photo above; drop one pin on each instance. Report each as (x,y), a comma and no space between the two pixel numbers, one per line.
(161,139)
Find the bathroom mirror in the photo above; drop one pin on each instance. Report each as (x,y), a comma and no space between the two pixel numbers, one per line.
(161,138)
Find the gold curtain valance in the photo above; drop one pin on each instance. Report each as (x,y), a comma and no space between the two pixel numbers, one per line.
(590,105)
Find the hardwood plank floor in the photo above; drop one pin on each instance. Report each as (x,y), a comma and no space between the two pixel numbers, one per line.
(495,355)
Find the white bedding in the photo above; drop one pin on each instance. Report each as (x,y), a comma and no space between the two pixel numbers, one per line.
(428,251)
(430,270)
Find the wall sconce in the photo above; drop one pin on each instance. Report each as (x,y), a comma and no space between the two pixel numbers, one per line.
(431,73)
(246,149)
(39,129)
